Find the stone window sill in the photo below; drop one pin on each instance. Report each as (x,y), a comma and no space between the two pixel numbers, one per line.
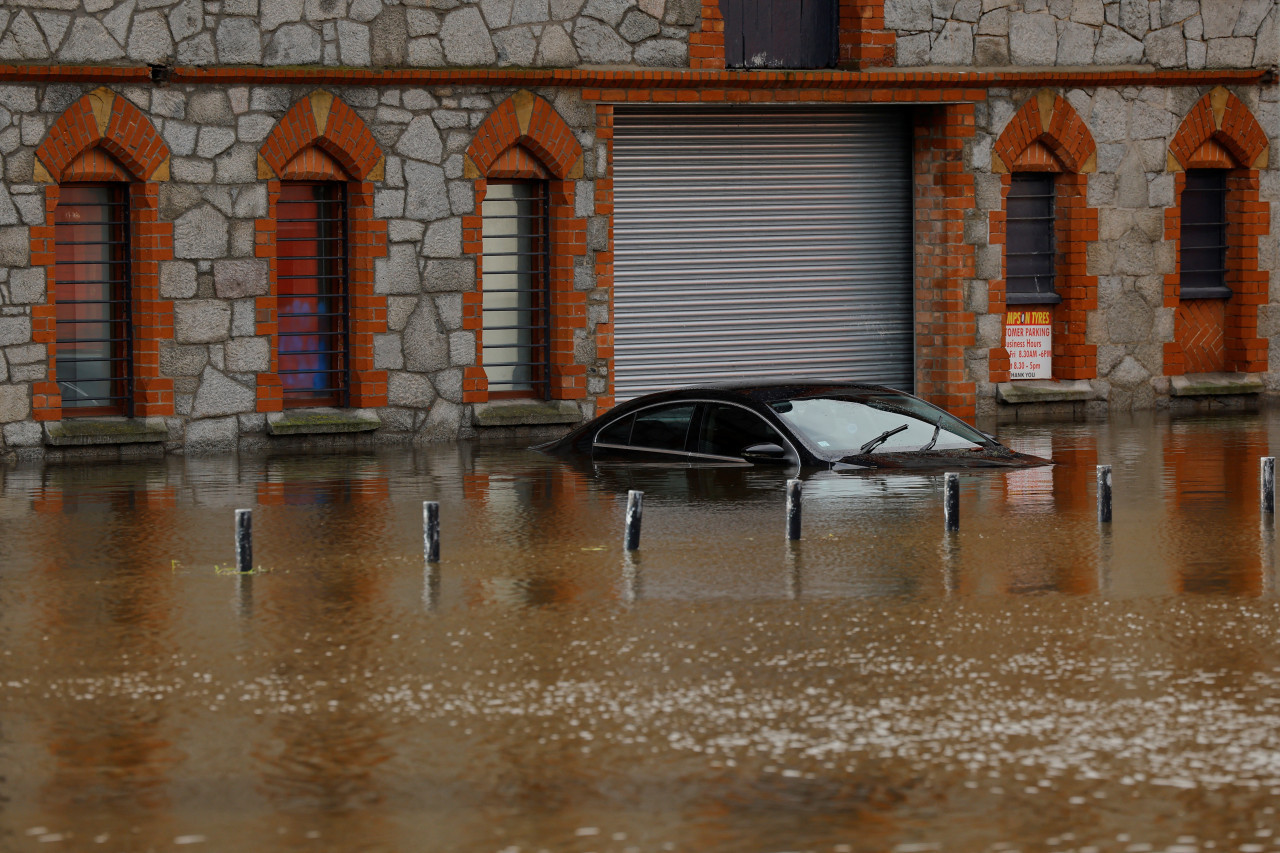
(1216,384)
(83,432)
(507,413)
(321,421)
(1045,391)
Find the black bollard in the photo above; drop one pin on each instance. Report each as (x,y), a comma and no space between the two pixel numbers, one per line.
(951,504)
(1104,494)
(244,540)
(635,512)
(431,531)
(1269,485)
(793,510)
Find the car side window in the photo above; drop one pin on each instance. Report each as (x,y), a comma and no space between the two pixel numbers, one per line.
(728,430)
(618,432)
(662,428)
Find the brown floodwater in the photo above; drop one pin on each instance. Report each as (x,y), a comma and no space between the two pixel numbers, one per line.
(1033,682)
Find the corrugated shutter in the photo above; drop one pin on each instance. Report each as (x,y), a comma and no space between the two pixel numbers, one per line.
(761,243)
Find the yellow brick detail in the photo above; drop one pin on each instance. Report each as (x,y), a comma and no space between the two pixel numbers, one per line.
(100,100)
(1218,103)
(1045,99)
(321,103)
(523,102)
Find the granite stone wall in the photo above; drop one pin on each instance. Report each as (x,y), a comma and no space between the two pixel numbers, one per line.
(214,190)
(356,33)
(213,197)
(1131,188)
(1159,33)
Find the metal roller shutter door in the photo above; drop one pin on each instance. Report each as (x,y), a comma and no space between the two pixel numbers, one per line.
(757,243)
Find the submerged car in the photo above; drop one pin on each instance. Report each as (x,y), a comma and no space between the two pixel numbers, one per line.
(841,426)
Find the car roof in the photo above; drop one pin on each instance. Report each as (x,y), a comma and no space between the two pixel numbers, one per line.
(758,391)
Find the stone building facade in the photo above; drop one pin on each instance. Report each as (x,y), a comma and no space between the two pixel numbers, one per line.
(204,112)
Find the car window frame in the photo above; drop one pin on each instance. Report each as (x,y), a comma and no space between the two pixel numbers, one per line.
(793,454)
(695,428)
(695,420)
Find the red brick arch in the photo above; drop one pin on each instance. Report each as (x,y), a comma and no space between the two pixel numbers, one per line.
(102,119)
(1048,135)
(103,137)
(328,123)
(1221,334)
(525,139)
(1218,121)
(527,121)
(320,138)
(1045,120)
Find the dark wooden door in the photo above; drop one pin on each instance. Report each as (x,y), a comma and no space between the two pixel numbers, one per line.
(780,33)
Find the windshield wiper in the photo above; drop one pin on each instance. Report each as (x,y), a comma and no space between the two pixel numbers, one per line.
(936,428)
(882,438)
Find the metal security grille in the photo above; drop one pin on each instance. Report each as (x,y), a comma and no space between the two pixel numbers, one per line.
(761,243)
(1030,251)
(516,327)
(1203,253)
(312,294)
(93,325)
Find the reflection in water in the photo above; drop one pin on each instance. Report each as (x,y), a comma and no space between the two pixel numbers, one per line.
(1209,468)
(879,683)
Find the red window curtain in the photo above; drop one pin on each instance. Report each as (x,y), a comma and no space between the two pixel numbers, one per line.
(91,232)
(312,294)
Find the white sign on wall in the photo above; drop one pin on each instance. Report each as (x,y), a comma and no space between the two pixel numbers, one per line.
(1028,336)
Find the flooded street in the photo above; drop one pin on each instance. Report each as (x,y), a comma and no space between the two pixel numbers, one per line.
(1033,682)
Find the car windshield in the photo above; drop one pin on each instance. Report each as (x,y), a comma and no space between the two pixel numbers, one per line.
(846,425)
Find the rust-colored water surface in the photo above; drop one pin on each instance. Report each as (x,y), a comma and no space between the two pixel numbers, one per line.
(1034,682)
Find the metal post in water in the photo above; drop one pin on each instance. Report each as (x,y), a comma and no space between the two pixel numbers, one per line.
(244,540)
(635,511)
(951,505)
(1104,494)
(1269,485)
(431,531)
(793,510)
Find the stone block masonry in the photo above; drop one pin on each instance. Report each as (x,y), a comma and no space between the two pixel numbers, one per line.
(416,108)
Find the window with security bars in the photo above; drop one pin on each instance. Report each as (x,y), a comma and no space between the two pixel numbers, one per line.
(1203,240)
(515,290)
(1030,252)
(311,291)
(93,363)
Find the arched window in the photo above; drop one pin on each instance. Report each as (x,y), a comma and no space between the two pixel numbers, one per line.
(1216,220)
(1044,156)
(102,243)
(525,311)
(321,238)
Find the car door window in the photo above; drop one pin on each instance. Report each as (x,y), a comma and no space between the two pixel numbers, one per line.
(728,430)
(662,428)
(618,432)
